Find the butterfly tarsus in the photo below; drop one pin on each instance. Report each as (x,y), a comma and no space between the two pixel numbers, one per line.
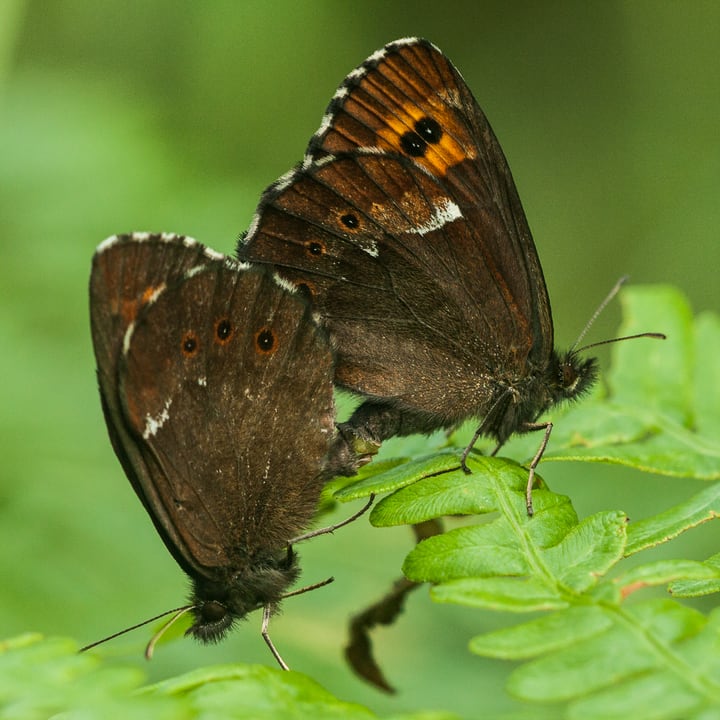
(267,612)
(547,427)
(468,450)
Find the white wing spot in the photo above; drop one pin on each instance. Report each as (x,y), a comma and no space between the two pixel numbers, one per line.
(445,213)
(370,247)
(153,424)
(193,271)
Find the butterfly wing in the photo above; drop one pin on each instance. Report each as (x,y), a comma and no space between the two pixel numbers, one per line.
(127,270)
(224,386)
(405,225)
(408,98)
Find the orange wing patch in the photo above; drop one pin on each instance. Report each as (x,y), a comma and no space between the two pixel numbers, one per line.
(436,153)
(410,103)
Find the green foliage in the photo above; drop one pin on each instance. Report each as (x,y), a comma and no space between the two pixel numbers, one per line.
(597,648)
(40,678)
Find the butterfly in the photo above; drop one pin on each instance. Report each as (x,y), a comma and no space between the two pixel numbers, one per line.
(403,226)
(217,391)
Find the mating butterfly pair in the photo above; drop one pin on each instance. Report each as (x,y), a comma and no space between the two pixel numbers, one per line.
(402,234)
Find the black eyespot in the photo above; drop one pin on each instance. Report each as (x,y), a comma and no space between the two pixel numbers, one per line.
(223,330)
(349,220)
(306,289)
(265,341)
(315,247)
(429,130)
(413,144)
(189,343)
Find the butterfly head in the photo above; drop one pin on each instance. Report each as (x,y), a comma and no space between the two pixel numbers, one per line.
(218,604)
(572,376)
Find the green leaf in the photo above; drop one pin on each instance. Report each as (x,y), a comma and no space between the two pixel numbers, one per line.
(507,594)
(706,381)
(655,376)
(669,524)
(653,696)
(395,475)
(564,555)
(595,645)
(42,678)
(543,635)
(240,691)
(696,588)
(653,628)
(663,572)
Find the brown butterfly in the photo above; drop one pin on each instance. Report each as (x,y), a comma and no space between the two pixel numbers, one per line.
(216,386)
(404,227)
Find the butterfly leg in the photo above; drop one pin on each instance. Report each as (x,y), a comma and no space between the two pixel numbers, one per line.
(547,427)
(482,430)
(470,446)
(267,612)
(333,528)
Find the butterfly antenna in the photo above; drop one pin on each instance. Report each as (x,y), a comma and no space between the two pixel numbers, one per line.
(134,627)
(179,612)
(601,307)
(656,336)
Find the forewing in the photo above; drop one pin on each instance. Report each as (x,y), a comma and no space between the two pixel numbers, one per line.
(127,271)
(226,385)
(405,226)
(410,99)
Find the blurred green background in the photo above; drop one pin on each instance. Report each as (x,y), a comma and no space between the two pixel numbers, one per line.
(165,115)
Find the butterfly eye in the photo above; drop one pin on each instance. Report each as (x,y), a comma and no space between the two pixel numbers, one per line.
(223,331)
(315,247)
(429,130)
(265,341)
(189,344)
(569,376)
(350,221)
